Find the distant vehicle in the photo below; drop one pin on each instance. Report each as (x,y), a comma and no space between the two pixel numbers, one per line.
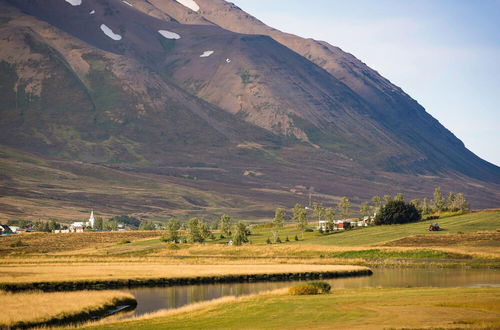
(434,227)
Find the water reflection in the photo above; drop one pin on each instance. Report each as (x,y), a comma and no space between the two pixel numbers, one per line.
(153,299)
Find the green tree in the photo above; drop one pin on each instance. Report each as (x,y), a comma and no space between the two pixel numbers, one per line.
(225,224)
(376,203)
(425,206)
(396,212)
(330,219)
(194,233)
(460,202)
(387,198)
(399,197)
(147,225)
(279,218)
(318,210)
(99,223)
(344,206)
(438,201)
(300,217)
(450,204)
(364,209)
(418,204)
(173,227)
(204,230)
(278,222)
(240,234)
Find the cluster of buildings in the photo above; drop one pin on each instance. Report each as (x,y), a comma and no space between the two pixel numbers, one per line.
(346,224)
(79,227)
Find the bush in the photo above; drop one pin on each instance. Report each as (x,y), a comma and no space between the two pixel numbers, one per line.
(296,238)
(268,241)
(303,289)
(395,212)
(172,246)
(124,241)
(322,286)
(308,230)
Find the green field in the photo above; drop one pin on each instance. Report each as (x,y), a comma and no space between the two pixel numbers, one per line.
(344,309)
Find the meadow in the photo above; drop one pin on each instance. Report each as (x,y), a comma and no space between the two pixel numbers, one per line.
(372,308)
(57,307)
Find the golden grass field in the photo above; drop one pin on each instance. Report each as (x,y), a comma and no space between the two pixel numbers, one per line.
(37,307)
(138,270)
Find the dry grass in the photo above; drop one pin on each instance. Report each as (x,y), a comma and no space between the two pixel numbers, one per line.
(34,307)
(46,243)
(138,270)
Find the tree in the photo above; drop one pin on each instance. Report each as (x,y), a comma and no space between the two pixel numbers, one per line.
(194,233)
(364,209)
(318,210)
(460,203)
(225,224)
(278,222)
(377,203)
(418,204)
(344,206)
(240,234)
(399,197)
(279,218)
(300,217)
(99,223)
(147,225)
(438,201)
(396,212)
(173,227)
(387,198)
(450,204)
(425,206)
(204,230)
(330,219)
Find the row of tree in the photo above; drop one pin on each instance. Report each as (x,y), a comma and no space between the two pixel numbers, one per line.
(453,203)
(198,231)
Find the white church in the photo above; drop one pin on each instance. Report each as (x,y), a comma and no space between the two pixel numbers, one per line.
(79,227)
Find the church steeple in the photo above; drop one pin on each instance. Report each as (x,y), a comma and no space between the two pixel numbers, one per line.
(91,219)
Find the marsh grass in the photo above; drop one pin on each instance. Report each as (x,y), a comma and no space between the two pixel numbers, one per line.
(37,308)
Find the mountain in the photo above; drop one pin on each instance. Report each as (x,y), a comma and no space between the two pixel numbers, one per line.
(200,90)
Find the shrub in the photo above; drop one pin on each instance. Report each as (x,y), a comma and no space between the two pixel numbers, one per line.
(287,239)
(172,246)
(18,243)
(303,289)
(124,241)
(395,212)
(322,286)
(296,238)
(268,241)
(308,230)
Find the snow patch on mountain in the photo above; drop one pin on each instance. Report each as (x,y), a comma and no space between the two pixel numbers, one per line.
(92,12)
(191,4)
(207,53)
(107,31)
(127,3)
(169,35)
(74,2)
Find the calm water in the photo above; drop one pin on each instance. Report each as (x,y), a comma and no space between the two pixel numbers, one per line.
(154,299)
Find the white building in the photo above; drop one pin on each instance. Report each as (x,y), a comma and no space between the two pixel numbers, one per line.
(79,227)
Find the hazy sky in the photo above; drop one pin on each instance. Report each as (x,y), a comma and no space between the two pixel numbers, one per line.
(443,53)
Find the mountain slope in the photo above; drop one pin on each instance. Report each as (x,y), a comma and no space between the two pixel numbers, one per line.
(388,105)
(161,93)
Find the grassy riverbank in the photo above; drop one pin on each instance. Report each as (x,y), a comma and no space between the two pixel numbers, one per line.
(343,309)
(64,277)
(38,309)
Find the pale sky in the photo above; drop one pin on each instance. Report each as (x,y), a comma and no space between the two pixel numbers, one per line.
(443,53)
